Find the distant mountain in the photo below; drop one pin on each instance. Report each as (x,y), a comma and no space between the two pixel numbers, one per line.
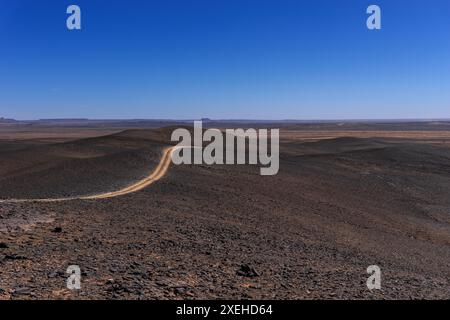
(5,120)
(65,119)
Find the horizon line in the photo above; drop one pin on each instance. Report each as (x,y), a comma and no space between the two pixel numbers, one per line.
(206,119)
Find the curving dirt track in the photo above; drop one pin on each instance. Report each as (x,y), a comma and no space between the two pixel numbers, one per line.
(157,174)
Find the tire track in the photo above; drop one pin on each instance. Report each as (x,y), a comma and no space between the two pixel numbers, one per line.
(157,174)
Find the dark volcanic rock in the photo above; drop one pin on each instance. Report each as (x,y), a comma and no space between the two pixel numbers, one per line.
(56,274)
(21,291)
(14,256)
(247,271)
(117,287)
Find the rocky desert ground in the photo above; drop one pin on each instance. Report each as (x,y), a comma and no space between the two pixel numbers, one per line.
(347,196)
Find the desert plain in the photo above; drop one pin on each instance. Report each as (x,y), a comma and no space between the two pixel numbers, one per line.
(348,195)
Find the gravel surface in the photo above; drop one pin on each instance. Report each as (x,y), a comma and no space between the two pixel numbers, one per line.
(335,208)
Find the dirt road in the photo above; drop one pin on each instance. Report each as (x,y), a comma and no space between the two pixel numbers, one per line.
(157,174)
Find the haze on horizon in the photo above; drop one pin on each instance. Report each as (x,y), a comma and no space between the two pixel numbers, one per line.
(232,59)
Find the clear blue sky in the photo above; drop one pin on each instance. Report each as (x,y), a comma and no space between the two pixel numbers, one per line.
(259,59)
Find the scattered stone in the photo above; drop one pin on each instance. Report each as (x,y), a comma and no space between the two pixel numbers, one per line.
(56,274)
(116,286)
(113,269)
(190,294)
(14,256)
(179,290)
(161,283)
(21,291)
(247,271)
